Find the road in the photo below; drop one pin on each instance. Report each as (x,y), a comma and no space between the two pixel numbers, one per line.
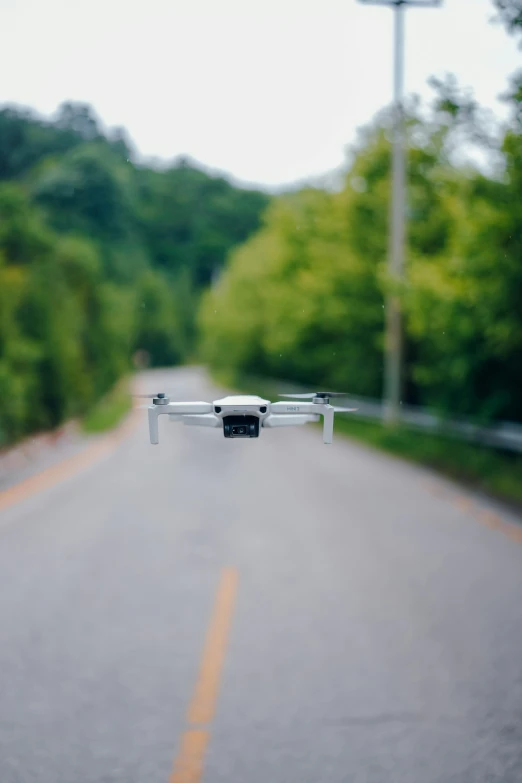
(265,611)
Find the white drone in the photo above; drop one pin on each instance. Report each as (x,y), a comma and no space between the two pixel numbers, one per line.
(243,416)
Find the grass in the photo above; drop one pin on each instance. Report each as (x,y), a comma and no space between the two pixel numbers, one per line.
(109,411)
(497,473)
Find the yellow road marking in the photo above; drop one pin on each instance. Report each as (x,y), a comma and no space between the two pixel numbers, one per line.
(483,515)
(491,520)
(188,766)
(68,467)
(515,533)
(203,703)
(463,503)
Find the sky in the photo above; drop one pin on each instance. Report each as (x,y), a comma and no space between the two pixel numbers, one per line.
(269,92)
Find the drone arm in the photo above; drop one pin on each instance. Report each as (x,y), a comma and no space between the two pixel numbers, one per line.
(153,425)
(174,408)
(289,420)
(297,409)
(328,423)
(202,420)
(279,408)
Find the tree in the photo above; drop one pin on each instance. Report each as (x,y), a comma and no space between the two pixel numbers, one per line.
(191,220)
(510,13)
(78,118)
(303,298)
(296,303)
(98,258)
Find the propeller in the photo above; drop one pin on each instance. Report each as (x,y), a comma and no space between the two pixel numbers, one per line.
(157,399)
(159,395)
(344,410)
(311,395)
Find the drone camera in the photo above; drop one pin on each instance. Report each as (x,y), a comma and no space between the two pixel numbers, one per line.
(241,426)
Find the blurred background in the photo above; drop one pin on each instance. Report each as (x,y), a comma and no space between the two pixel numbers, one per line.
(204,183)
(198,197)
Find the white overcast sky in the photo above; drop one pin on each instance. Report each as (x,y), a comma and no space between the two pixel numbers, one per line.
(270,91)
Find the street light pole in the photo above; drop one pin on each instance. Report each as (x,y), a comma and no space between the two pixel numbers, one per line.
(397,231)
(397,241)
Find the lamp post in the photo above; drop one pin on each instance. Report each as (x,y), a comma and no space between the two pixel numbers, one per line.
(397,236)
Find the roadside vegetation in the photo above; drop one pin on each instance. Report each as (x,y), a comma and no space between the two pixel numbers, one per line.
(103,257)
(110,410)
(495,472)
(100,257)
(303,298)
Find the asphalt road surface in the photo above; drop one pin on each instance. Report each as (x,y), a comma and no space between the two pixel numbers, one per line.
(261,611)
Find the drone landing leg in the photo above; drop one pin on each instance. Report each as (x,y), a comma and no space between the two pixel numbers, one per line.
(153,426)
(328,423)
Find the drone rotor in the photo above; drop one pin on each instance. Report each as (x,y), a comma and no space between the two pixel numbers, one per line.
(157,399)
(319,396)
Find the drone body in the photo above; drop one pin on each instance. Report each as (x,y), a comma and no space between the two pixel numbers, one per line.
(244,416)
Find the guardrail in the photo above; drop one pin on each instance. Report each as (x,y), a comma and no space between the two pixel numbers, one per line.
(503,435)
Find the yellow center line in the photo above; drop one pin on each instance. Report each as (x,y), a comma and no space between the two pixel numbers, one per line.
(188,765)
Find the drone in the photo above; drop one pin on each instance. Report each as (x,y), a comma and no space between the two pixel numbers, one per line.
(243,416)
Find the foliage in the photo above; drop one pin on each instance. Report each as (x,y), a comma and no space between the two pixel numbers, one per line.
(303,299)
(99,258)
(510,13)
(109,411)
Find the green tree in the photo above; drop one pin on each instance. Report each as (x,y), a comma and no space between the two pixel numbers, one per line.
(303,299)
(98,257)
